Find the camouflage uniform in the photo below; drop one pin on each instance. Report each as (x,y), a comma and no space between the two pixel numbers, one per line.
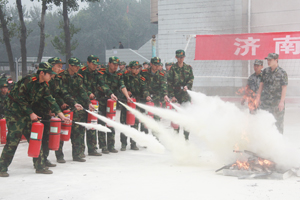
(89,83)
(113,82)
(18,108)
(271,93)
(74,86)
(137,86)
(157,86)
(3,83)
(178,77)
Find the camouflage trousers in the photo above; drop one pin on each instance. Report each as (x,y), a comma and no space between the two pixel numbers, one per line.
(278,115)
(17,126)
(123,137)
(106,140)
(182,97)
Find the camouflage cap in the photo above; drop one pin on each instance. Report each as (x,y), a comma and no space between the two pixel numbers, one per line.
(3,82)
(180,53)
(156,60)
(114,60)
(272,56)
(258,62)
(55,60)
(168,64)
(146,63)
(75,61)
(134,63)
(93,59)
(46,67)
(122,63)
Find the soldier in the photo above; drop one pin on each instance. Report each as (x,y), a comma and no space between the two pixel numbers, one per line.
(180,79)
(64,100)
(3,95)
(161,68)
(156,83)
(136,87)
(122,68)
(90,74)
(73,83)
(113,82)
(253,85)
(168,66)
(19,114)
(272,90)
(146,65)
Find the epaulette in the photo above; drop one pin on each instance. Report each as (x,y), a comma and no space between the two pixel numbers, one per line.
(47,83)
(100,72)
(102,69)
(84,68)
(144,70)
(143,78)
(61,71)
(80,75)
(34,78)
(119,74)
(126,72)
(59,76)
(162,74)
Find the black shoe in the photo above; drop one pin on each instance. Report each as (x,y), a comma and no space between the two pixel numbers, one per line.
(4,174)
(82,155)
(43,171)
(134,147)
(113,150)
(49,164)
(123,148)
(95,153)
(79,159)
(105,151)
(60,160)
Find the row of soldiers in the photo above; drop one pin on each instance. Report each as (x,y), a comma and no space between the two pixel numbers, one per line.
(51,90)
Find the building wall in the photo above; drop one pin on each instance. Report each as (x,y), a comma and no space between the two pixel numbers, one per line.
(179,21)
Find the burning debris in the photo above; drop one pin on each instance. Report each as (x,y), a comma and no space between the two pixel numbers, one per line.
(250,165)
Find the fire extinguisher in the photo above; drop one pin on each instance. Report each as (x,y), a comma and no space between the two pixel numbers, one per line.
(130,118)
(173,125)
(54,136)
(35,141)
(150,114)
(111,110)
(91,118)
(66,127)
(3,130)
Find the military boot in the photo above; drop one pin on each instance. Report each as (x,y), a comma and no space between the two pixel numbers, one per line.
(123,147)
(105,151)
(4,174)
(113,150)
(134,147)
(95,153)
(43,171)
(60,160)
(82,155)
(49,164)
(79,159)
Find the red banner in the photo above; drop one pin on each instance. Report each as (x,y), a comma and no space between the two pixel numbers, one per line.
(248,46)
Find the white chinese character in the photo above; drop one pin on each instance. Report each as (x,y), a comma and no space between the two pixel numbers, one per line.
(249,43)
(287,45)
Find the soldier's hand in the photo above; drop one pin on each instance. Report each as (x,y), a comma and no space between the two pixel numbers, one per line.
(78,106)
(63,118)
(64,106)
(281,106)
(257,102)
(91,107)
(92,96)
(129,93)
(166,98)
(173,99)
(34,117)
(185,88)
(148,98)
(113,97)
(129,100)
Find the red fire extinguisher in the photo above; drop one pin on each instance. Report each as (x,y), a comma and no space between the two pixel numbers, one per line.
(54,136)
(168,105)
(66,127)
(111,110)
(35,141)
(130,118)
(173,125)
(3,130)
(91,118)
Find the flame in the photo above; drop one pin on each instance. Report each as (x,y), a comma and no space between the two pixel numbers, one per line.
(264,162)
(241,165)
(250,96)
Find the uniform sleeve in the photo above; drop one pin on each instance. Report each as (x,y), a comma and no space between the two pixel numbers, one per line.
(145,91)
(101,83)
(263,76)
(22,94)
(190,81)
(51,101)
(164,86)
(82,91)
(284,80)
(65,96)
(170,82)
(121,82)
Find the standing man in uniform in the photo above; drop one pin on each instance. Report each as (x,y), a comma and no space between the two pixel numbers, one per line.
(122,68)
(19,114)
(252,86)
(73,83)
(3,95)
(156,83)
(272,90)
(90,74)
(180,79)
(113,82)
(136,87)
(146,65)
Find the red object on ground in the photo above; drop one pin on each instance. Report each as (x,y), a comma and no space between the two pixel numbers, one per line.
(130,118)
(54,136)
(65,127)
(111,110)
(3,130)
(91,118)
(35,141)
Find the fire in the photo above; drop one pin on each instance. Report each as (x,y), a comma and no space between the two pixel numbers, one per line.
(264,162)
(241,165)
(250,96)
